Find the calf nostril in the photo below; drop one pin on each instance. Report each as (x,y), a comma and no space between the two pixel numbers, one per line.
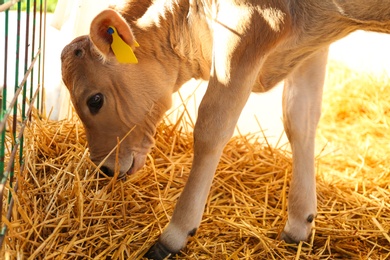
(79,53)
(107,171)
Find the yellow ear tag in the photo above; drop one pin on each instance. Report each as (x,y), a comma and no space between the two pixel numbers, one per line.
(123,52)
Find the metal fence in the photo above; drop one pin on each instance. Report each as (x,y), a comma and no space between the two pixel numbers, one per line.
(22,46)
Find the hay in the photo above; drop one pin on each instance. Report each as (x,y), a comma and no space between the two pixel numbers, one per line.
(65,210)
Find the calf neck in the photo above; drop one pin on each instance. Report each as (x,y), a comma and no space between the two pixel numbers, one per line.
(239,47)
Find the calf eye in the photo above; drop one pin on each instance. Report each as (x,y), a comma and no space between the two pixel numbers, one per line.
(95,102)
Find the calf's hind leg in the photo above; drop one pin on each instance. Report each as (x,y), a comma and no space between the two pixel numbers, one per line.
(302,109)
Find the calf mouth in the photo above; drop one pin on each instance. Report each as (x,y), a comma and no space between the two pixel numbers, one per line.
(135,162)
(109,172)
(131,169)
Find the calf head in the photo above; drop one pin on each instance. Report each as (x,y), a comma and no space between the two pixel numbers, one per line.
(117,103)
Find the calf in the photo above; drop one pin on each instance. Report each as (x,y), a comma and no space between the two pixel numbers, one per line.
(239,46)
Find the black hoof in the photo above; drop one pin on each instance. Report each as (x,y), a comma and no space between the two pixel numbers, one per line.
(159,252)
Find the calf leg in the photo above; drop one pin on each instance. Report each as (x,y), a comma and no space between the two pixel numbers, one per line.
(236,62)
(218,115)
(302,108)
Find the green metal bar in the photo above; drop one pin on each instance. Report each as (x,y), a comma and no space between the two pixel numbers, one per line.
(3,109)
(44,11)
(4,97)
(24,98)
(40,95)
(33,46)
(26,51)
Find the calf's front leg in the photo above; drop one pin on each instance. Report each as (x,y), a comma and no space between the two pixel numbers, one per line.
(218,115)
(228,90)
(302,109)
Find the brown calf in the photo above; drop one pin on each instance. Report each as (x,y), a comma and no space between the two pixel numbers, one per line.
(238,46)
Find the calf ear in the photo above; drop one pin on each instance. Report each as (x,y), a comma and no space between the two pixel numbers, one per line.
(102,38)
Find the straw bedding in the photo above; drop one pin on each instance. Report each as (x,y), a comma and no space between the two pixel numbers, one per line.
(64,209)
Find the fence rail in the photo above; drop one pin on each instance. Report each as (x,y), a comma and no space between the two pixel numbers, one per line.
(22,82)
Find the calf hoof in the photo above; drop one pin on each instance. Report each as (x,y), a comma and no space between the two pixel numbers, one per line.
(295,232)
(159,252)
